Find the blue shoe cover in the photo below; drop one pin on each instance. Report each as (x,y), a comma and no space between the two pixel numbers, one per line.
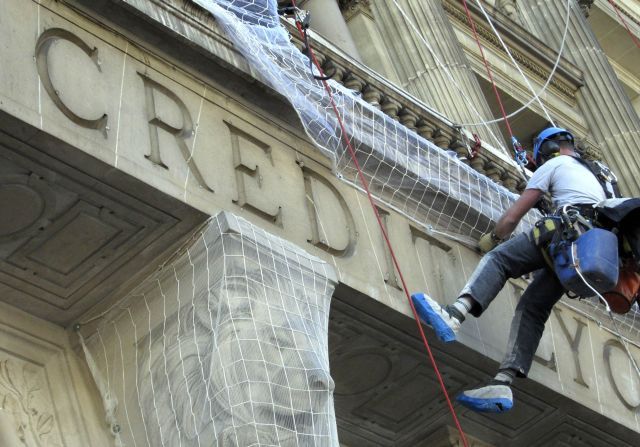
(432,314)
(488,399)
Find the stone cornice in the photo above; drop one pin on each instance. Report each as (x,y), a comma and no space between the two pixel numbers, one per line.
(185,23)
(606,7)
(531,54)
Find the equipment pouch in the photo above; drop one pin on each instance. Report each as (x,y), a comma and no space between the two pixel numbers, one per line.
(544,230)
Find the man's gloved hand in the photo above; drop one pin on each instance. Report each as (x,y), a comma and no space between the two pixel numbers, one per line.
(488,242)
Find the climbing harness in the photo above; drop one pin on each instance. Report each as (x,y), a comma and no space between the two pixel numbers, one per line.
(604,175)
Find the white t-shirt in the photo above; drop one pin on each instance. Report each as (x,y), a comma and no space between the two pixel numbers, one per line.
(568,182)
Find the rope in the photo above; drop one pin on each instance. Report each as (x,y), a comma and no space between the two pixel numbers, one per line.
(520,155)
(365,185)
(506,48)
(448,73)
(624,22)
(547,82)
(486,66)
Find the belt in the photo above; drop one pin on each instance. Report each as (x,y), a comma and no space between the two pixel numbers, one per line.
(586,210)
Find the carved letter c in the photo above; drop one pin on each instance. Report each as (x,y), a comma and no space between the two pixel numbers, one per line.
(42,53)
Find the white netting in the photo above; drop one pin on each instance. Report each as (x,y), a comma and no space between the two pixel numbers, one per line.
(225,345)
(405,171)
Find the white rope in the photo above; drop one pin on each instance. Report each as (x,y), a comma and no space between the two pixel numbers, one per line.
(547,82)
(515,63)
(109,402)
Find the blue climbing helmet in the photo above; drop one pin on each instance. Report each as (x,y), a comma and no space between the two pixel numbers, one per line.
(549,134)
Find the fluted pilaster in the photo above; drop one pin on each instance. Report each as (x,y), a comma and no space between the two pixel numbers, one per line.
(613,123)
(419,71)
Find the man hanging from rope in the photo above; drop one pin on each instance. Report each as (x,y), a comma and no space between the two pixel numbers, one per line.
(569,182)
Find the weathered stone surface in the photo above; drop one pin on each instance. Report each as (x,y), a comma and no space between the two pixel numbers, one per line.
(228,343)
(46,399)
(179,137)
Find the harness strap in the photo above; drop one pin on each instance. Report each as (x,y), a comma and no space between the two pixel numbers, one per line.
(604,176)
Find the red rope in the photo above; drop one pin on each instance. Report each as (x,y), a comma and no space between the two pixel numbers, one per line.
(624,22)
(486,65)
(365,185)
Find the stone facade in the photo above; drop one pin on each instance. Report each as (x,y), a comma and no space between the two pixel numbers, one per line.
(125,123)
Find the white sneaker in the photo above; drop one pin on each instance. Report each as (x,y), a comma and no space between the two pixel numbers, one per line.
(488,399)
(432,314)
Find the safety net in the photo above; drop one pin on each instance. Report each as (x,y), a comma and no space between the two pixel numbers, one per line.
(227,343)
(404,171)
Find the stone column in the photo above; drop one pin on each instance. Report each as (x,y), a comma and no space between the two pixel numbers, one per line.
(417,69)
(326,19)
(613,123)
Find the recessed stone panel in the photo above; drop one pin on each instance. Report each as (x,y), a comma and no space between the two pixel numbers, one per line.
(406,407)
(80,239)
(67,239)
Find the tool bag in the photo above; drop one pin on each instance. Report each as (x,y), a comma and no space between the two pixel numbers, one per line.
(584,258)
(622,216)
(544,232)
(545,229)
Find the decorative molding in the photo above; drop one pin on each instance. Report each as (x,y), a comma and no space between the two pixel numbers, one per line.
(42,391)
(585,6)
(25,394)
(633,17)
(509,8)
(179,15)
(566,89)
(68,238)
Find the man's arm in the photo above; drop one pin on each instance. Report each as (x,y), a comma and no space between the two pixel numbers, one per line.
(510,219)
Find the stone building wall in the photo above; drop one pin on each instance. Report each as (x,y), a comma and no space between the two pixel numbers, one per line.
(131,140)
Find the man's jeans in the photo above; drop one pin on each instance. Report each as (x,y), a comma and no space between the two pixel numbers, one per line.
(512,259)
